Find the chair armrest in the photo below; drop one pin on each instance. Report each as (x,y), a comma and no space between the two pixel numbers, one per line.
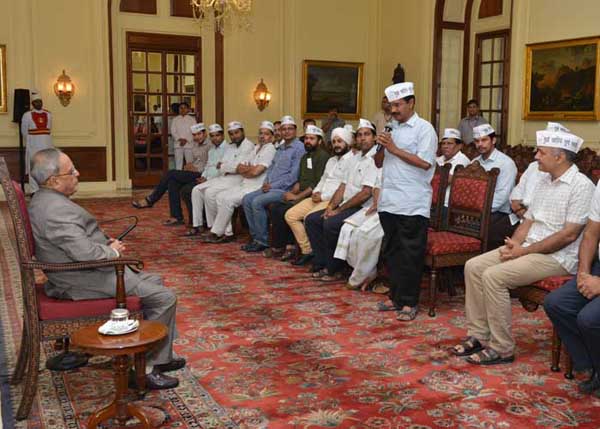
(84,265)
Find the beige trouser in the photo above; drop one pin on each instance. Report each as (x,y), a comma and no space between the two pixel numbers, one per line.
(488,281)
(295,219)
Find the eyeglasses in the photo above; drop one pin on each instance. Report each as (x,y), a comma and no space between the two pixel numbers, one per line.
(72,172)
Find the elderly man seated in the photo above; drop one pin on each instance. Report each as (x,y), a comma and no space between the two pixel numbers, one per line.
(65,232)
(175,180)
(575,308)
(451,146)
(544,245)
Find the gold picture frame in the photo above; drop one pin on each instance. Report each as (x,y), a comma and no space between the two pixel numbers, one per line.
(562,80)
(3,86)
(326,84)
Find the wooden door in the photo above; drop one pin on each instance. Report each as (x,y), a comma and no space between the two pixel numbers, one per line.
(162,71)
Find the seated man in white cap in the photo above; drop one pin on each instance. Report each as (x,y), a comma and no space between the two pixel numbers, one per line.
(451,146)
(174,180)
(36,126)
(323,227)
(404,206)
(215,155)
(312,166)
(489,157)
(544,245)
(335,172)
(521,195)
(282,174)
(239,151)
(253,173)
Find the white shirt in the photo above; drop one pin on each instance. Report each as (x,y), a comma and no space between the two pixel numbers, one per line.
(180,129)
(595,209)
(527,183)
(335,173)
(555,203)
(363,173)
(458,159)
(505,181)
(235,155)
(263,155)
(406,189)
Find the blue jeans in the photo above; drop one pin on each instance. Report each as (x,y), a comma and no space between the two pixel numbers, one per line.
(577,321)
(255,208)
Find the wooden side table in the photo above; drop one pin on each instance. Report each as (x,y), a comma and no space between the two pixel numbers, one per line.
(120,347)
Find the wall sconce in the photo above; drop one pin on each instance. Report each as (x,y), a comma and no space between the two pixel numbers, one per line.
(262,96)
(64,89)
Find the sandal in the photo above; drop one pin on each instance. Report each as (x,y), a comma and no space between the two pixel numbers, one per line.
(380,288)
(407,315)
(172,222)
(350,286)
(318,274)
(330,278)
(141,204)
(384,306)
(489,357)
(191,232)
(467,347)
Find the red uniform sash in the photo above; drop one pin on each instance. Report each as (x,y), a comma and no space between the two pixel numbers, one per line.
(41,122)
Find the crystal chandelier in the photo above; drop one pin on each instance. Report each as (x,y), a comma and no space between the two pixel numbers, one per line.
(222,12)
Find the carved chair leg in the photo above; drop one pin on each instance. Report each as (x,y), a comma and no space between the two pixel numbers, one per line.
(24,355)
(556,344)
(432,291)
(31,380)
(568,366)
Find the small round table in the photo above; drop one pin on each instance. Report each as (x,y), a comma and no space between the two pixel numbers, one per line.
(120,347)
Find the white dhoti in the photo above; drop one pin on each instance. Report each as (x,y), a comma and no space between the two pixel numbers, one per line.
(35,143)
(227,202)
(220,184)
(181,153)
(359,245)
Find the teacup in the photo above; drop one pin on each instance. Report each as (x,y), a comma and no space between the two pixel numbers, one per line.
(120,318)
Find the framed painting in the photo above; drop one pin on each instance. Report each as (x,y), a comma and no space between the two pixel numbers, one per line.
(327,84)
(562,80)
(3,96)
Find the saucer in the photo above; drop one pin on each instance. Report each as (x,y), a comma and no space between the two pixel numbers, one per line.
(109,328)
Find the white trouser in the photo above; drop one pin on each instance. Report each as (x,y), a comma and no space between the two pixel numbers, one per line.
(182,152)
(227,202)
(198,204)
(218,185)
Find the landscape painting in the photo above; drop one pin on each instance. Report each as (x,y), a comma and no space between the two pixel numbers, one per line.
(328,84)
(562,80)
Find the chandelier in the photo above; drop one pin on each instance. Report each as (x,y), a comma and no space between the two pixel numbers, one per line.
(222,12)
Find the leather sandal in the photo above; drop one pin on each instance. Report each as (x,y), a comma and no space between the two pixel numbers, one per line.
(407,315)
(467,347)
(489,357)
(141,204)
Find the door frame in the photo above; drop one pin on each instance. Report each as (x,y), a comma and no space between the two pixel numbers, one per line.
(160,42)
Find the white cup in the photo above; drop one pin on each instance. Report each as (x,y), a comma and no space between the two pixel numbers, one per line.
(120,317)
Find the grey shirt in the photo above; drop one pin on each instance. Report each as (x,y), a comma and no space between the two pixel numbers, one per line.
(466,126)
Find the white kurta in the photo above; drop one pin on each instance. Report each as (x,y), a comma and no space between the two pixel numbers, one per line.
(36,126)
(180,129)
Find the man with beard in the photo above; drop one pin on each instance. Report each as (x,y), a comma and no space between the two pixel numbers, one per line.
(253,174)
(324,226)
(312,166)
(490,157)
(239,151)
(335,172)
(281,176)
(404,206)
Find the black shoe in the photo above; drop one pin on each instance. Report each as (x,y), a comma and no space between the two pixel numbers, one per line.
(303,260)
(247,246)
(316,268)
(591,385)
(158,381)
(174,365)
(255,248)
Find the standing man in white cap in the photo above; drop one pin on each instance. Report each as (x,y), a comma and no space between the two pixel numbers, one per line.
(180,131)
(281,176)
(335,172)
(451,146)
(215,155)
(408,159)
(253,174)
(500,223)
(239,151)
(36,127)
(544,245)
(174,180)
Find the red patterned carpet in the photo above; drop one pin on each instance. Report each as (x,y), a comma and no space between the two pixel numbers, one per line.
(268,347)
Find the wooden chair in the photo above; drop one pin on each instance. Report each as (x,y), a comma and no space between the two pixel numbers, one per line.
(465,235)
(531,297)
(470,151)
(46,318)
(439,183)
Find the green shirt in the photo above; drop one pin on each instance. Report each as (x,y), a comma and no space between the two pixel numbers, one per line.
(312,166)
